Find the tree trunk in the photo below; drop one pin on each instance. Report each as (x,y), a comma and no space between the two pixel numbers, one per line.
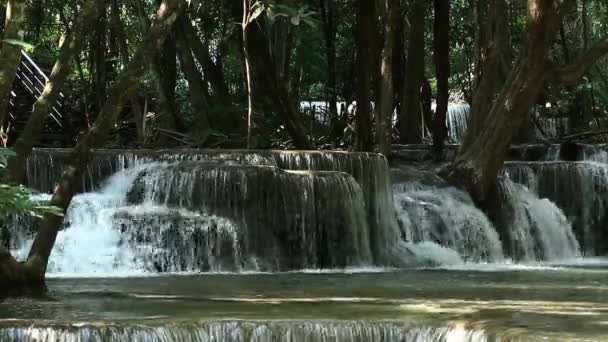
(61,70)
(136,108)
(196,84)
(119,94)
(442,71)
(478,163)
(165,70)
(328,18)
(411,123)
(10,55)
(213,72)
(99,47)
(364,33)
(277,86)
(487,73)
(387,94)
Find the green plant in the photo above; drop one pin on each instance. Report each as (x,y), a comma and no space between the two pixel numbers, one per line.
(16,199)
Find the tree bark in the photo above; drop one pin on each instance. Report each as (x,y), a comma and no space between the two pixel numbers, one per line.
(196,84)
(487,72)
(213,72)
(387,94)
(328,19)
(478,163)
(44,104)
(99,47)
(136,108)
(364,33)
(10,55)
(276,85)
(411,122)
(119,94)
(442,71)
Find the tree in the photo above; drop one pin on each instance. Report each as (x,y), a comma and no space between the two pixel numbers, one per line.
(410,117)
(365,26)
(29,275)
(479,161)
(387,99)
(442,71)
(70,48)
(10,54)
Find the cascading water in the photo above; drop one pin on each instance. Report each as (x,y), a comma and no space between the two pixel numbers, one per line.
(248,331)
(534,228)
(579,188)
(446,216)
(458,121)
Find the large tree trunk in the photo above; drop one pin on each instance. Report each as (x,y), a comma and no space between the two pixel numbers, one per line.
(44,104)
(10,55)
(487,71)
(411,122)
(196,84)
(99,47)
(136,108)
(213,71)
(387,94)
(329,26)
(277,85)
(364,33)
(442,71)
(20,275)
(478,163)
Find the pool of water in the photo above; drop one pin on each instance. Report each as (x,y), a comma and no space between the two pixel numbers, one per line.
(562,301)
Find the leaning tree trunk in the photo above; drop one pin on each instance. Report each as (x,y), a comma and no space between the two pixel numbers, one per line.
(32,272)
(10,55)
(442,71)
(44,104)
(411,123)
(490,33)
(387,94)
(478,163)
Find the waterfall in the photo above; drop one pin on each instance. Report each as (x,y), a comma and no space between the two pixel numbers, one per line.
(534,228)
(458,121)
(579,188)
(446,216)
(371,171)
(240,331)
(289,219)
(193,216)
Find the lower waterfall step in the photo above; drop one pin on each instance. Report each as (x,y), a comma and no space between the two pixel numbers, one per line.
(246,331)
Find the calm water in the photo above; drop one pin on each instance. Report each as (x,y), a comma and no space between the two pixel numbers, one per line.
(558,302)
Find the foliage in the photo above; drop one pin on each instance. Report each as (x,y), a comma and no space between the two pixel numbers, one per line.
(16,199)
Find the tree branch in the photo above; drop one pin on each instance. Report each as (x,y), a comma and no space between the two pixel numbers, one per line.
(572,74)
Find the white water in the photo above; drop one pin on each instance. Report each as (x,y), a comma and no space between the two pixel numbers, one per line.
(539,229)
(446,217)
(91,246)
(458,121)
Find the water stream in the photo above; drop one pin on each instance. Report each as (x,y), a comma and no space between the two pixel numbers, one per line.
(311,246)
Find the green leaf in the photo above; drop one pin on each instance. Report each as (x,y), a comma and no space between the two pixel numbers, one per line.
(295,21)
(25,46)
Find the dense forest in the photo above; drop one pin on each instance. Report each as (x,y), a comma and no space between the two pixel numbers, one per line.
(328,74)
(410,58)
